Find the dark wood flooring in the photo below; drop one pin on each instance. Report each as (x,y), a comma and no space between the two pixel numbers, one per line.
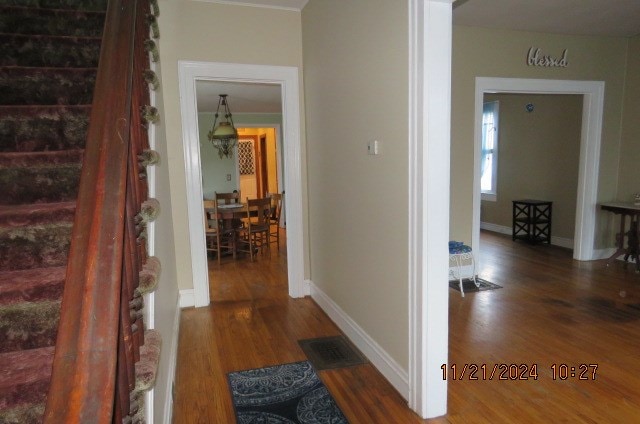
(579,318)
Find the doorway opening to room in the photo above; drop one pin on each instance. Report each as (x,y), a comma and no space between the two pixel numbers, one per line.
(531,151)
(257,173)
(257,161)
(584,195)
(249,79)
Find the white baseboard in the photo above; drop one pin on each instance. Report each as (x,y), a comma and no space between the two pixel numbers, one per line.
(187,298)
(495,228)
(605,253)
(556,241)
(394,373)
(173,360)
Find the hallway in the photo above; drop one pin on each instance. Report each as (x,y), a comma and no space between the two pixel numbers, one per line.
(253,323)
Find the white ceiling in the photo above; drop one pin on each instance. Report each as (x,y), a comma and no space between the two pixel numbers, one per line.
(242,97)
(583,17)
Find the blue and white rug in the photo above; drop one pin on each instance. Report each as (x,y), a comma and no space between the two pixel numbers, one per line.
(283,394)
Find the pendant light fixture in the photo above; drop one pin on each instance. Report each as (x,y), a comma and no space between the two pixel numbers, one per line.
(224,137)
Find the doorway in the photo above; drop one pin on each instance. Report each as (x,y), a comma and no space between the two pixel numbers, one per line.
(531,150)
(590,140)
(287,79)
(258,160)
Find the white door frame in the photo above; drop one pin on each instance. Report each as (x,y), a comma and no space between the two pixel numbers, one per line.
(590,141)
(430,32)
(287,77)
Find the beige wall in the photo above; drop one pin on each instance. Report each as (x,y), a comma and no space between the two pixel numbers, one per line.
(629,179)
(538,157)
(356,85)
(209,32)
(479,52)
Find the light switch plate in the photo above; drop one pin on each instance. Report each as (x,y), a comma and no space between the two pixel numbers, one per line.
(373,147)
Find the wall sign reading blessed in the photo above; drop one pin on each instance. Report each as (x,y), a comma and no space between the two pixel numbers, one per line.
(535,58)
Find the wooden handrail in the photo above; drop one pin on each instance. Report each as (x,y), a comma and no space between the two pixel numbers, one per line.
(99,336)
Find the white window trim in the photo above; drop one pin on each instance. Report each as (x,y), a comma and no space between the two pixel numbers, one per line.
(492,195)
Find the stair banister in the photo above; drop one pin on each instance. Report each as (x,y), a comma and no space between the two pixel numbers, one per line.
(99,335)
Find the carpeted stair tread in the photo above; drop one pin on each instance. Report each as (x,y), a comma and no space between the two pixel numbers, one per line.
(29,413)
(58,4)
(28,325)
(23,386)
(37,246)
(40,159)
(36,214)
(35,128)
(31,285)
(39,184)
(46,86)
(39,21)
(49,51)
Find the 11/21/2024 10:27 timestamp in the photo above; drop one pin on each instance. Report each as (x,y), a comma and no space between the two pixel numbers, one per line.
(516,372)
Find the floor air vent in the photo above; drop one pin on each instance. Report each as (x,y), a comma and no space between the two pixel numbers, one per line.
(331,352)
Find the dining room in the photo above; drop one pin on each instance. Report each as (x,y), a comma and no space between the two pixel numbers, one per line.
(243,200)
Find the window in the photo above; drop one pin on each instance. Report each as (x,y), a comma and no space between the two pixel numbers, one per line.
(489,153)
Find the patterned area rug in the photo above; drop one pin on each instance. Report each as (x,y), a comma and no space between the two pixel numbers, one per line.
(469,286)
(283,394)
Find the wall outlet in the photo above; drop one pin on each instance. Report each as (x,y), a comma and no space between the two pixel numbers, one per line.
(228,177)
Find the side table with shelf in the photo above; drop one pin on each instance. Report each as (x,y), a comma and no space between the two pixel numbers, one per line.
(532,220)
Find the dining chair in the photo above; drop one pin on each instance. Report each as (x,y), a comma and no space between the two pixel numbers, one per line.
(227,198)
(274,218)
(217,237)
(255,234)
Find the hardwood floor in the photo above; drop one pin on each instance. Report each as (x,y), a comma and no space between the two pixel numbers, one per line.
(551,310)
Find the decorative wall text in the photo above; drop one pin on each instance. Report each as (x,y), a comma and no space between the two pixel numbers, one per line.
(535,58)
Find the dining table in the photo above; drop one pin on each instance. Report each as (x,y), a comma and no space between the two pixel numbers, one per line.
(229,214)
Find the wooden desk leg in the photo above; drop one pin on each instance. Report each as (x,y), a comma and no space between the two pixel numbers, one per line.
(621,249)
(633,245)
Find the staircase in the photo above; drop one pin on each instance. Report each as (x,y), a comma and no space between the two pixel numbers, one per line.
(49,54)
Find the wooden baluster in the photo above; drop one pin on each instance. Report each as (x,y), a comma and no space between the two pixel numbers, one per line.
(140,91)
(132,266)
(124,378)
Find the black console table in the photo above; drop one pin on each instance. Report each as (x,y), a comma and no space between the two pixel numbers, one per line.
(532,221)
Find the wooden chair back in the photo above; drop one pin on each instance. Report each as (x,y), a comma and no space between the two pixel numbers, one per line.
(258,212)
(228,198)
(210,210)
(274,219)
(276,207)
